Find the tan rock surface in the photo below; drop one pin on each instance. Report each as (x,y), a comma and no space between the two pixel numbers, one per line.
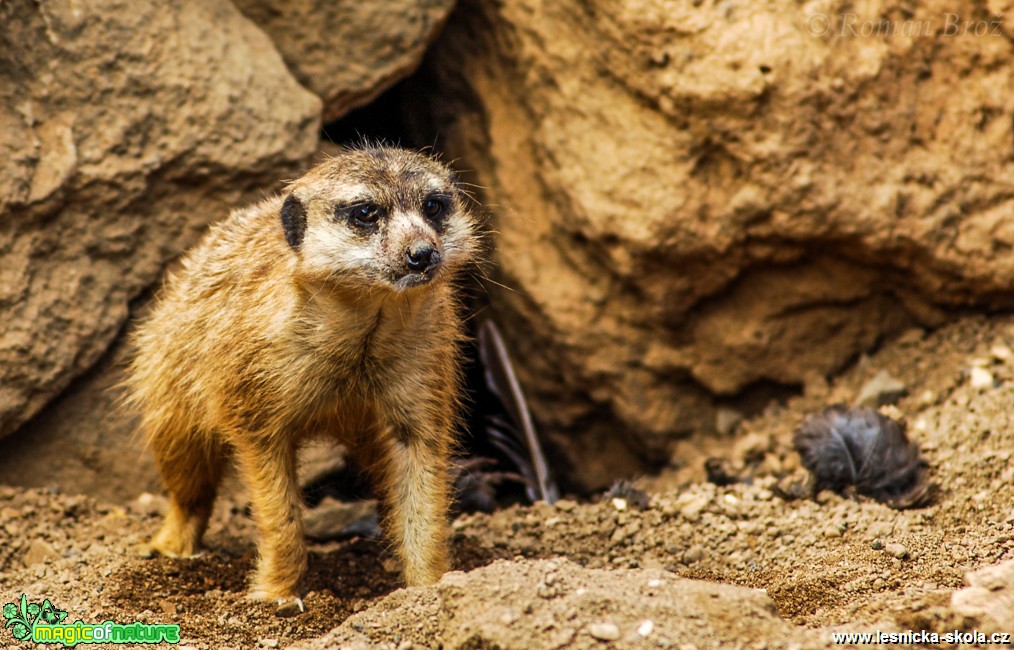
(556,603)
(988,602)
(711,200)
(349,52)
(124,128)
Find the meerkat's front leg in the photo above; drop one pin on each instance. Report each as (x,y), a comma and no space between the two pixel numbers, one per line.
(412,473)
(267,466)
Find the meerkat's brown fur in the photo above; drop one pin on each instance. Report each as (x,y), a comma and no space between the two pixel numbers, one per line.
(327,311)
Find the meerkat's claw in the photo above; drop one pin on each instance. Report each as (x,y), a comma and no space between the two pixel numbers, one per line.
(286,606)
(290,607)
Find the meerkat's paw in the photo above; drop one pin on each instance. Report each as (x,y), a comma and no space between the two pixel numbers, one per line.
(158,547)
(149,551)
(286,606)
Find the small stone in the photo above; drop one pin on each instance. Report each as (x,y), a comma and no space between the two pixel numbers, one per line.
(726,420)
(645,628)
(620,504)
(693,554)
(897,550)
(150,504)
(692,508)
(268,643)
(1001,352)
(980,378)
(881,390)
(876,545)
(38,553)
(604,631)
(879,584)
(333,519)
(566,505)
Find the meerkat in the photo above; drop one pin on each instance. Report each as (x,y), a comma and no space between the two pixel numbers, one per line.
(329,310)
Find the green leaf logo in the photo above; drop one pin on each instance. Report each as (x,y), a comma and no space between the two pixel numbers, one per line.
(22,616)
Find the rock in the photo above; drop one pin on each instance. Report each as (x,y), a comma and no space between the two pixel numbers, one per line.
(349,52)
(979,377)
(989,600)
(38,552)
(474,609)
(882,389)
(319,459)
(705,181)
(84,438)
(101,183)
(333,519)
(692,506)
(150,504)
(896,550)
(604,631)
(1001,352)
(727,419)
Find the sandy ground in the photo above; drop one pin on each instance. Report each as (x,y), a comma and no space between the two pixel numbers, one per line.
(701,565)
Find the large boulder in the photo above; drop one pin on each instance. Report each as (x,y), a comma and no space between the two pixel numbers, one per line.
(124,128)
(710,203)
(345,51)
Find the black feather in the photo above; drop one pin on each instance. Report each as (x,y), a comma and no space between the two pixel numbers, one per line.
(859,450)
(522,447)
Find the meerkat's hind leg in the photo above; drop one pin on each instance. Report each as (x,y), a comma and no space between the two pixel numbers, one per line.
(191,467)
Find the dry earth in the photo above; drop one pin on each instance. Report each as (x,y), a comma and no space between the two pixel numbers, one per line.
(700,566)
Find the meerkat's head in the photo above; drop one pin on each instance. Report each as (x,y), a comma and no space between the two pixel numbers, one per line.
(377,217)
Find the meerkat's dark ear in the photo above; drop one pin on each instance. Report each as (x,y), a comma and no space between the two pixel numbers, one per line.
(293,221)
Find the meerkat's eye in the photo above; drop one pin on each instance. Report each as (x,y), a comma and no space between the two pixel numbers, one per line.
(433,208)
(364,214)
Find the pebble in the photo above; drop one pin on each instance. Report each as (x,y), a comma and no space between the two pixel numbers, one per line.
(268,643)
(1001,352)
(882,389)
(980,378)
(876,545)
(897,550)
(693,554)
(645,628)
(604,631)
(726,420)
(692,508)
(566,505)
(38,552)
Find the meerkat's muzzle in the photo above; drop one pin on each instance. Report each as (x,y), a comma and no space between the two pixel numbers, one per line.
(421,257)
(420,263)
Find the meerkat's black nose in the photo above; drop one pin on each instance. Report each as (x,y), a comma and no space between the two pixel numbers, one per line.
(421,257)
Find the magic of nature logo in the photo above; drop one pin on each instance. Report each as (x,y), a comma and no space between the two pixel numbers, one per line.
(32,622)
